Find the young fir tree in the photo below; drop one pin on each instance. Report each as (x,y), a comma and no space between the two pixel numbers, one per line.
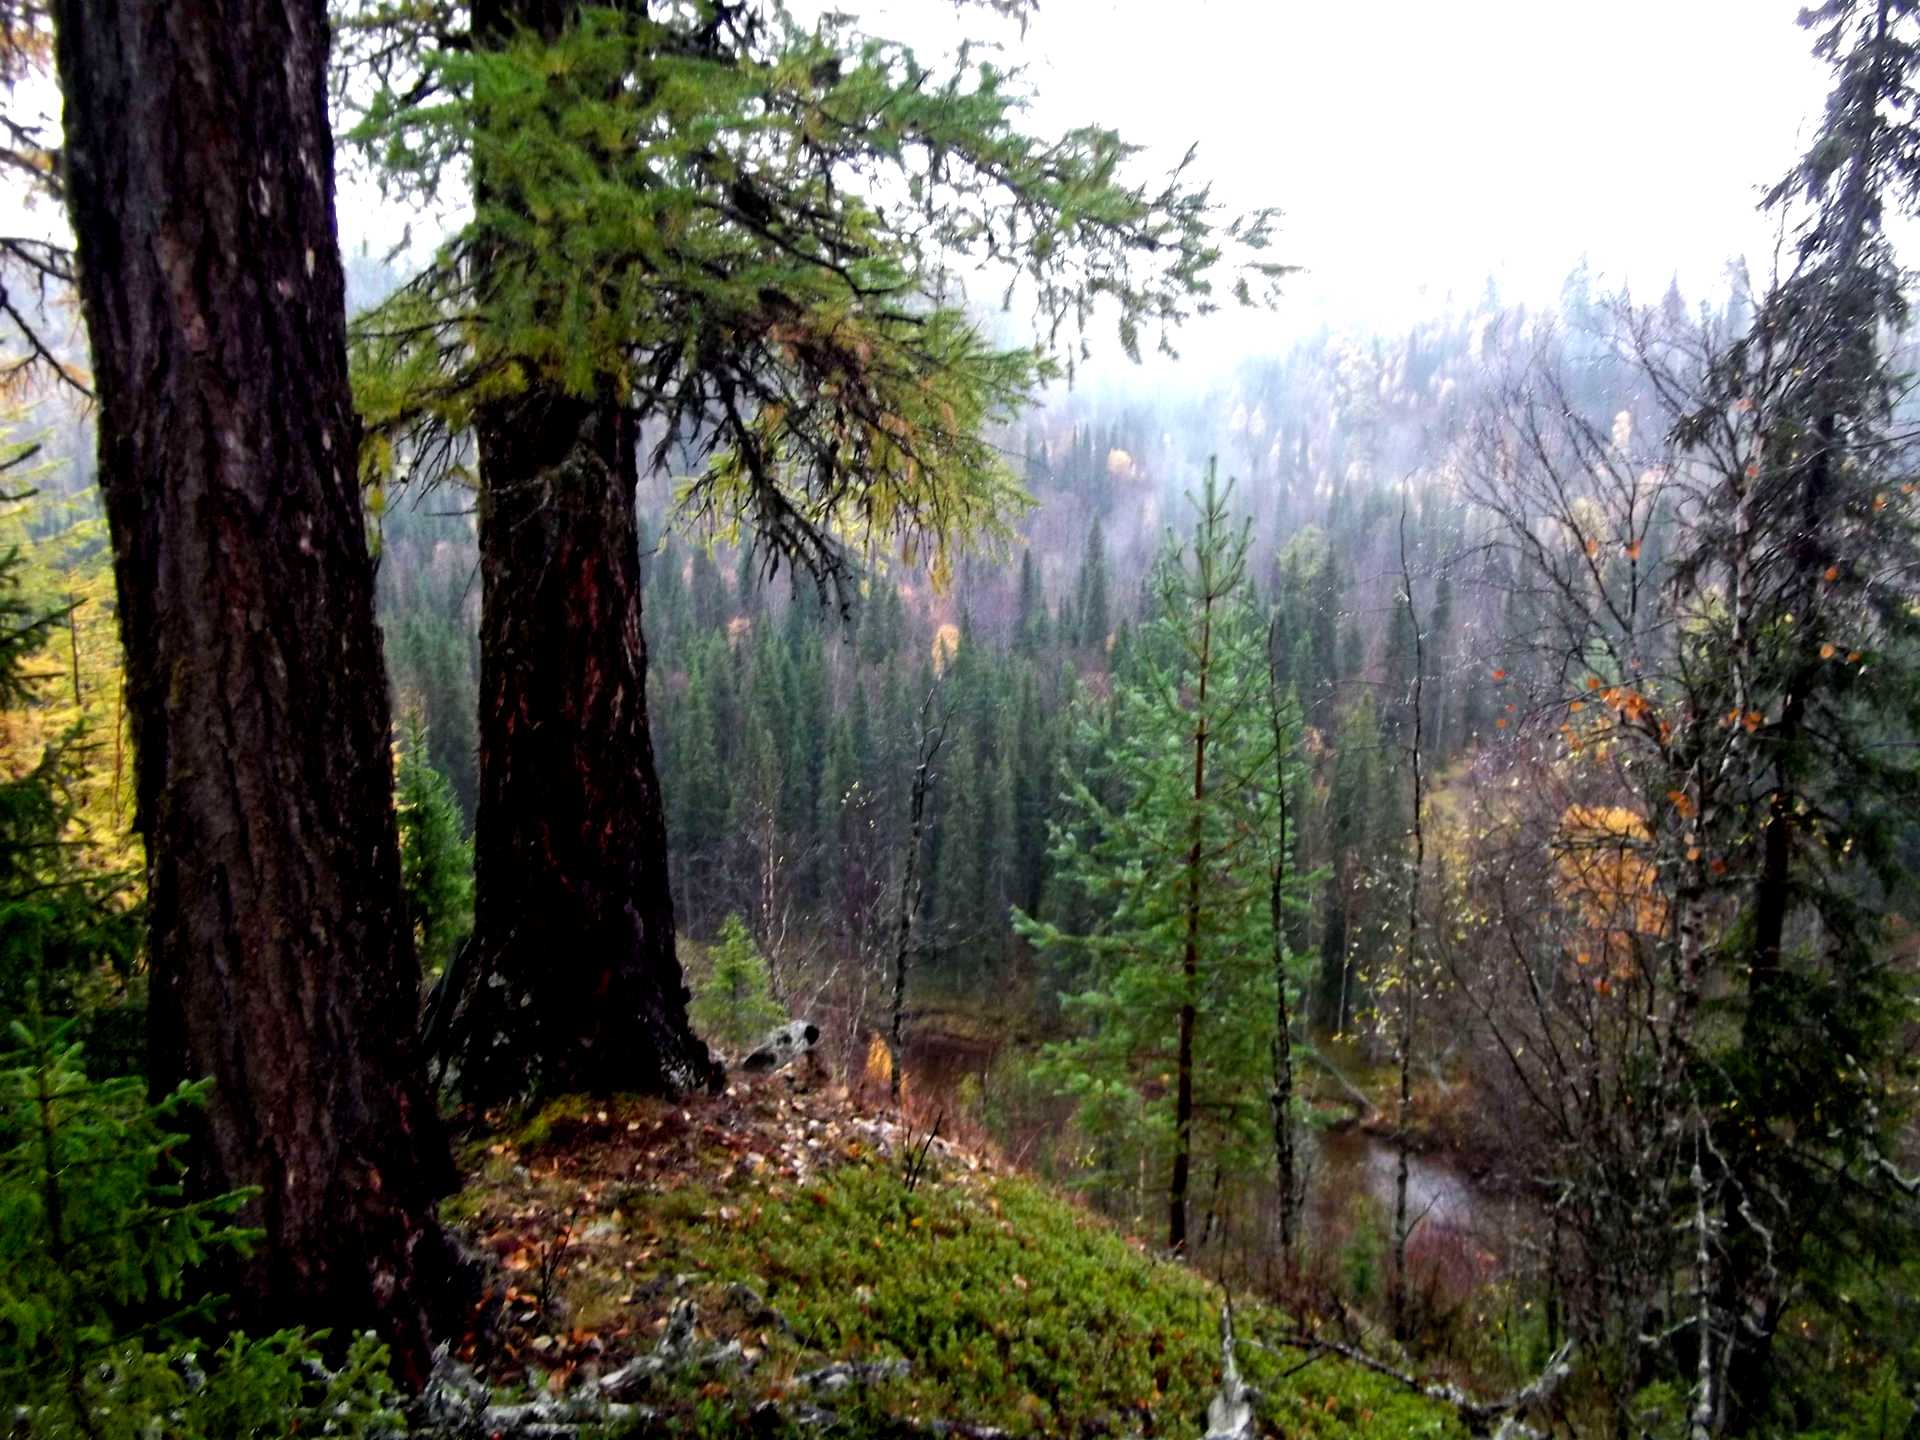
(436,859)
(93,1233)
(734,1005)
(1169,835)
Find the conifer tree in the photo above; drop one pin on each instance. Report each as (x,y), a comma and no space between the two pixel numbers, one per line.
(663,233)
(1091,620)
(1030,606)
(436,858)
(279,956)
(1174,862)
(1812,663)
(734,1005)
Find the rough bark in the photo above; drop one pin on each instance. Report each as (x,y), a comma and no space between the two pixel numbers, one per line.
(928,742)
(573,981)
(201,192)
(1281,1099)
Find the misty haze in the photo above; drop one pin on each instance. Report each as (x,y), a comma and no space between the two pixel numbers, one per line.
(970,719)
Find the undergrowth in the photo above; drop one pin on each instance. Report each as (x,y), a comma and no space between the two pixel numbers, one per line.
(1012,1307)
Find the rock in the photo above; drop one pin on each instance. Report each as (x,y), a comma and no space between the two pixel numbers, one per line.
(676,1353)
(634,1378)
(452,1399)
(770,1417)
(752,1308)
(782,1046)
(842,1375)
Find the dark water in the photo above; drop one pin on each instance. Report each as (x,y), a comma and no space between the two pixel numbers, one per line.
(1438,1196)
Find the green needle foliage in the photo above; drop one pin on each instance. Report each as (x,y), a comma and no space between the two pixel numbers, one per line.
(436,860)
(1154,857)
(68,935)
(754,235)
(98,1336)
(734,1005)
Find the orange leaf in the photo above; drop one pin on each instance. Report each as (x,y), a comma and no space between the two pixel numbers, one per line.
(1833,573)
(1633,551)
(1501,723)
(1826,651)
(1681,802)
(1593,682)
(1499,674)
(1593,548)
(1752,720)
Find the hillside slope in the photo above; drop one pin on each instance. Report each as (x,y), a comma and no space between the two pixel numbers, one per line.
(784,1259)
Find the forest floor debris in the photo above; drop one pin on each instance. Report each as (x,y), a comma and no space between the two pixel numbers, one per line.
(783,1258)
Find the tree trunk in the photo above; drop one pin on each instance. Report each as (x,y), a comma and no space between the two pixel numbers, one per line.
(928,740)
(576,983)
(201,189)
(1281,1098)
(1190,954)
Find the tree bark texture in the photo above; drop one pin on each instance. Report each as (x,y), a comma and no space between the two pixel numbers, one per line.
(1190,954)
(201,187)
(576,981)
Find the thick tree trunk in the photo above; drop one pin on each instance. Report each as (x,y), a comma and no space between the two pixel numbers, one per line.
(201,187)
(573,981)
(576,984)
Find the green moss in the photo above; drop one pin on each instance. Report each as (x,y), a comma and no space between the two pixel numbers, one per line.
(554,1120)
(1014,1309)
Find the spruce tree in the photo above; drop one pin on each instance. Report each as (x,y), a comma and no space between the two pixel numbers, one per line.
(436,858)
(1174,862)
(734,1005)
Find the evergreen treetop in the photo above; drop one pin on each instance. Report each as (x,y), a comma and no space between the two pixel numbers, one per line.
(751,233)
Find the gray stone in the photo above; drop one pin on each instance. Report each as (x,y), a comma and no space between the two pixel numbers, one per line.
(782,1046)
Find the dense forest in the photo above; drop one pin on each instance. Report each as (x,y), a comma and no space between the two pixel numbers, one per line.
(649,815)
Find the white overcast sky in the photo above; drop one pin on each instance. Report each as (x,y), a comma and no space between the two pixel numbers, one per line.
(1418,147)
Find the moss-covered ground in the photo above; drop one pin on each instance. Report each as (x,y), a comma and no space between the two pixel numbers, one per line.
(807,1232)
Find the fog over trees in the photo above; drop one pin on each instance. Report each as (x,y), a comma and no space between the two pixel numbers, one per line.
(1394,783)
